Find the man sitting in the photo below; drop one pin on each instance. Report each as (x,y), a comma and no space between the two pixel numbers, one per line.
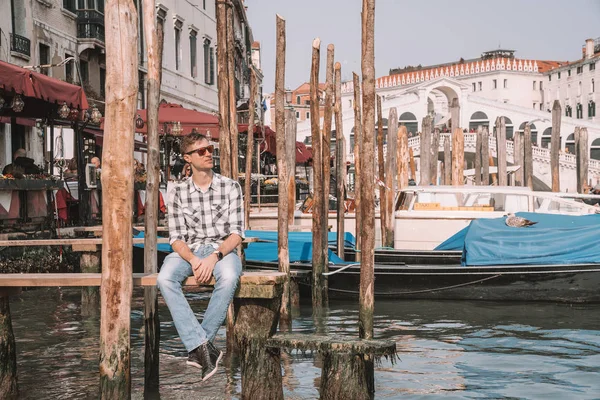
(21,165)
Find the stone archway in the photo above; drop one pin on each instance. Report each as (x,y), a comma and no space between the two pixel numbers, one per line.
(439,98)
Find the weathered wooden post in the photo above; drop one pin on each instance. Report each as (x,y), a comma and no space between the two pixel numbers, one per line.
(413,169)
(154,34)
(528,157)
(485,155)
(380,168)
(340,159)
(555,145)
(403,158)
(518,157)
(9,388)
(250,149)
(282,168)
(90,261)
(367,255)
(494,175)
(478,147)
(425,153)
(233,123)
(390,178)
(326,148)
(448,160)
(357,157)
(223,86)
(117,183)
(458,157)
(501,150)
(319,256)
(433,161)
(581,146)
(291,129)
(455,113)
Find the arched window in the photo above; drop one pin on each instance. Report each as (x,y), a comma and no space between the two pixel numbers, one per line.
(478,118)
(546,137)
(509,128)
(409,120)
(534,132)
(595,150)
(591,109)
(570,144)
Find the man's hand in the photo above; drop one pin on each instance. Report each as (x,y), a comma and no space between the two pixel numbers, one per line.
(203,269)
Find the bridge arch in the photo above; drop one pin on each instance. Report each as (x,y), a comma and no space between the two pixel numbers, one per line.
(546,137)
(478,118)
(509,127)
(570,144)
(595,150)
(534,132)
(409,120)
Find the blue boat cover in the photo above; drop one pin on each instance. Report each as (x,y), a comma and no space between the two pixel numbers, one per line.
(555,239)
(454,242)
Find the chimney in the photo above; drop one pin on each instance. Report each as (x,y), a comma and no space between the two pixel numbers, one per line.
(589,48)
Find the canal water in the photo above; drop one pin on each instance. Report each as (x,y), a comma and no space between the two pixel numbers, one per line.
(454,350)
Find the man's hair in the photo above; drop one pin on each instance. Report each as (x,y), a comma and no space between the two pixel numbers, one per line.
(190,139)
(20,153)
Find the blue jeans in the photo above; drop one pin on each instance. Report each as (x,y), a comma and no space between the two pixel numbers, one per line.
(174,271)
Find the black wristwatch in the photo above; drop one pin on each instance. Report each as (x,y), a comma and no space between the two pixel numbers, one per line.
(219,254)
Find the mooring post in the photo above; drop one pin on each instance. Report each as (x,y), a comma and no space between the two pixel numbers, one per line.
(413,168)
(485,155)
(223,86)
(581,147)
(89,262)
(250,149)
(425,153)
(319,296)
(381,169)
(233,123)
(518,157)
(448,160)
(555,145)
(501,150)
(403,157)
(117,184)
(478,148)
(9,388)
(367,255)
(357,156)
(455,113)
(458,157)
(340,159)
(326,147)
(528,156)
(433,161)
(154,33)
(390,178)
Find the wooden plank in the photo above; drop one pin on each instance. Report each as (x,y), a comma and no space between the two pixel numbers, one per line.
(326,343)
(78,248)
(66,242)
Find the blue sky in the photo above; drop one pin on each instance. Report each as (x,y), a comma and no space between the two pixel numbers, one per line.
(420,32)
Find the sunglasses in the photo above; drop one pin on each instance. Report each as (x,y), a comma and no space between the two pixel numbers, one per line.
(202,150)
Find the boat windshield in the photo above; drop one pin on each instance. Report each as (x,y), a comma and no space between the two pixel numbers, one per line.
(471,201)
(559,206)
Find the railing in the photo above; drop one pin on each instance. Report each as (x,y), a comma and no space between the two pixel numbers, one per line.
(90,25)
(20,44)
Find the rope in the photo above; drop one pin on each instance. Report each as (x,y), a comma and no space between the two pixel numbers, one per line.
(339,270)
(415,291)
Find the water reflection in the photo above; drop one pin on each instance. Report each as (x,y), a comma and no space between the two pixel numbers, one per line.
(458,349)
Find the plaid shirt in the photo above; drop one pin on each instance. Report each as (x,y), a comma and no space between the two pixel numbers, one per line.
(199,218)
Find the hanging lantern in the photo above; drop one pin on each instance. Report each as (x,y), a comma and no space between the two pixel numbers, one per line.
(17,104)
(177,130)
(74,114)
(96,115)
(64,111)
(139,122)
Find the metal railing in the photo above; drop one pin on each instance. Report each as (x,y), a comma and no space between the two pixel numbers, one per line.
(90,24)
(20,44)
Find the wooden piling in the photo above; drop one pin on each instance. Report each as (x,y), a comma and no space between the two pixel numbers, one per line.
(501,151)
(9,388)
(281,119)
(233,122)
(448,160)
(455,113)
(89,262)
(485,155)
(326,148)
(433,160)
(494,175)
(518,157)
(117,185)
(528,156)
(250,148)
(413,169)
(582,149)
(357,157)
(154,34)
(340,158)
(425,153)
(458,157)
(555,145)
(403,158)
(291,128)
(223,86)
(390,177)
(381,168)
(319,296)
(478,147)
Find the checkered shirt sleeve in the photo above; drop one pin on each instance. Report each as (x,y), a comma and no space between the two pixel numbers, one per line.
(236,210)
(177,226)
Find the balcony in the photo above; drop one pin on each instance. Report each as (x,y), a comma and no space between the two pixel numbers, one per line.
(90,25)
(20,44)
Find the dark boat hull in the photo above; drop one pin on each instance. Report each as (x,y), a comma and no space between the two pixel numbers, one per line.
(555,283)
(420,257)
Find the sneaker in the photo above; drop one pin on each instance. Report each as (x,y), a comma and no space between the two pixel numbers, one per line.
(200,357)
(215,354)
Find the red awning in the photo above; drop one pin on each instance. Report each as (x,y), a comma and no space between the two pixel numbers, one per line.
(189,119)
(39,86)
(303,153)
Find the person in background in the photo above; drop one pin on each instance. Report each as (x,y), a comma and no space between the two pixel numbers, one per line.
(96,161)
(21,165)
(70,173)
(206,222)
(596,191)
